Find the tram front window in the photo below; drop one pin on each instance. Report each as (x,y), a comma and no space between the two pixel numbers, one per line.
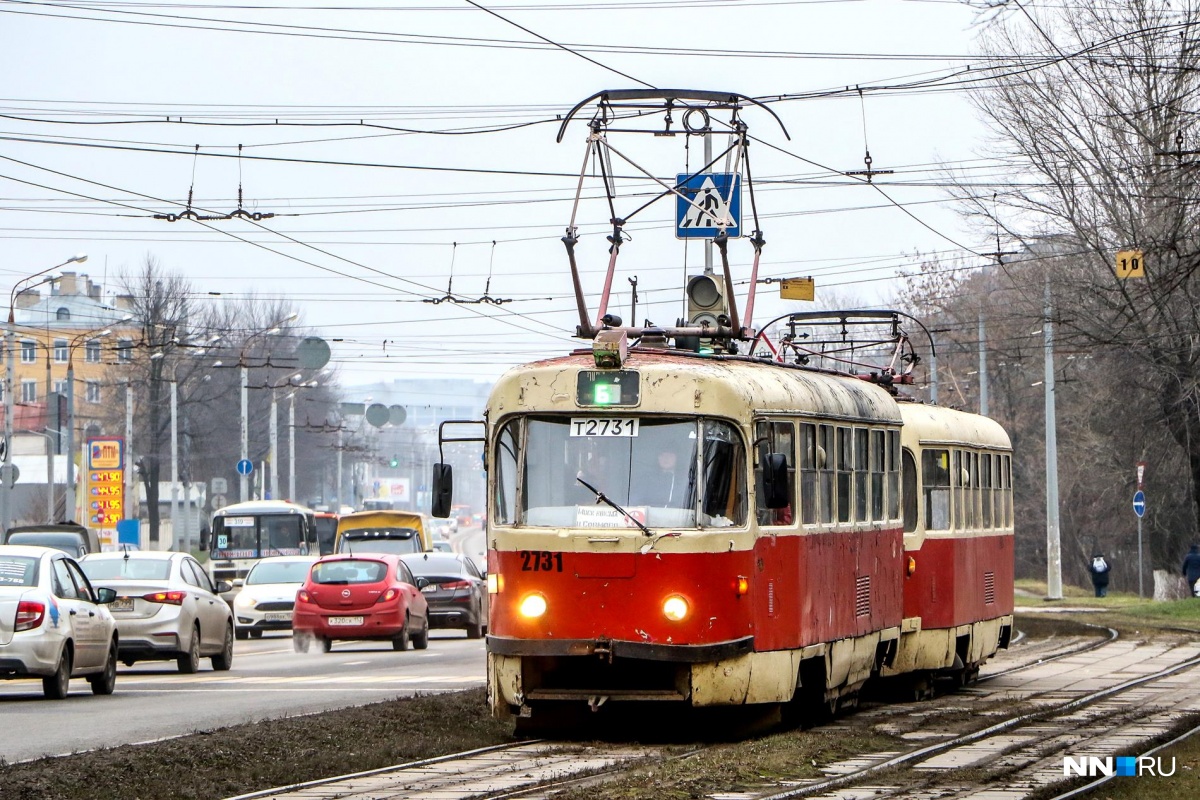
(653,469)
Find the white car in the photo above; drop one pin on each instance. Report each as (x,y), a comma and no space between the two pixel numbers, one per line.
(166,608)
(53,624)
(268,595)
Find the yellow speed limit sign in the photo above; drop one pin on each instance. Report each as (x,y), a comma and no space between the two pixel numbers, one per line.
(1131,264)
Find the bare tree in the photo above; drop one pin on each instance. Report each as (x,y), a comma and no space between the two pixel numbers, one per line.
(1095,110)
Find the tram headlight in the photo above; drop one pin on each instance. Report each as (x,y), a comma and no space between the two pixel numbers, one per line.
(495,583)
(532,606)
(675,608)
(910,567)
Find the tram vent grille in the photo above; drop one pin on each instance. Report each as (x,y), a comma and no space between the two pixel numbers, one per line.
(862,596)
(770,598)
(989,588)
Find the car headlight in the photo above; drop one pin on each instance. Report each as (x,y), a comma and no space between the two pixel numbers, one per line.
(242,601)
(532,606)
(675,608)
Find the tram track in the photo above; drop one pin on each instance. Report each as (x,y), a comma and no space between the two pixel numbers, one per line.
(539,768)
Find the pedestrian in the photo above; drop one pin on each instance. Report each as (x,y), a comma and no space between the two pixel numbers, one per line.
(1099,570)
(1191,569)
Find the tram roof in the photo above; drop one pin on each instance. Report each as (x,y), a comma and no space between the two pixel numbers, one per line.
(262,507)
(673,381)
(931,424)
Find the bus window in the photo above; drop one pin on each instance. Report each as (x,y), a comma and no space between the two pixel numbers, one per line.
(283,535)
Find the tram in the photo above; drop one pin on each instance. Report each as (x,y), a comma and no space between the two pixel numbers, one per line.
(710,514)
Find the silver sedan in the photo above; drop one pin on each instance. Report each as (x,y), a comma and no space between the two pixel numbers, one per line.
(166,608)
(53,624)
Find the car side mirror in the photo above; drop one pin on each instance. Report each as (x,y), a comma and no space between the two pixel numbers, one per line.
(443,490)
(422,583)
(204,541)
(105,595)
(775,481)
(224,586)
(239,582)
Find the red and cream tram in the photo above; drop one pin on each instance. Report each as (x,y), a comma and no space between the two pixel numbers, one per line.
(719,530)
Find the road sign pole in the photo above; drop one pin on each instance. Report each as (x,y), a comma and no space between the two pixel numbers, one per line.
(1141,593)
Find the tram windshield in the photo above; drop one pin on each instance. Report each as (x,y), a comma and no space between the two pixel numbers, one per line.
(665,473)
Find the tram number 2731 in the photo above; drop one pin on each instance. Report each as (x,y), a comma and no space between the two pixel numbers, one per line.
(541,561)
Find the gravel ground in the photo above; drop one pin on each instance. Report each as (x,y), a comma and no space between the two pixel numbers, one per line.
(210,765)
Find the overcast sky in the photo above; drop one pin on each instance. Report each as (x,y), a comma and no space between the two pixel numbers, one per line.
(361,239)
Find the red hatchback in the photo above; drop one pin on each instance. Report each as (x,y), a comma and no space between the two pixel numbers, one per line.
(369,596)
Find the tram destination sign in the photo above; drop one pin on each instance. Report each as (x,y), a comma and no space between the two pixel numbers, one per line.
(605,388)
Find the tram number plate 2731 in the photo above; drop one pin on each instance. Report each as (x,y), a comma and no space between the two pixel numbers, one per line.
(541,561)
(605,426)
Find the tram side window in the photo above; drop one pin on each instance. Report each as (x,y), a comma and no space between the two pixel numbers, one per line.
(878,473)
(826,456)
(774,438)
(956,482)
(506,475)
(808,473)
(862,461)
(893,438)
(845,473)
(985,487)
(1006,485)
(910,492)
(935,475)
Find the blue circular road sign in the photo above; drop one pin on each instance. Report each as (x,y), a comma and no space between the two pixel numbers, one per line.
(245,466)
(1139,503)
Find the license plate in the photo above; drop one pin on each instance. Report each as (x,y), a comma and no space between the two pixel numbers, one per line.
(122,604)
(432,587)
(345,620)
(277,616)
(621,427)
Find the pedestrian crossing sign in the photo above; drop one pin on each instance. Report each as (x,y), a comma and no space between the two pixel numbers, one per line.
(706,203)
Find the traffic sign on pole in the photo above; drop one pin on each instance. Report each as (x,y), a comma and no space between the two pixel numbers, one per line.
(245,466)
(1141,472)
(1139,503)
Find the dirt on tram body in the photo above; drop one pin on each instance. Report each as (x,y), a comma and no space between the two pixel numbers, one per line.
(244,758)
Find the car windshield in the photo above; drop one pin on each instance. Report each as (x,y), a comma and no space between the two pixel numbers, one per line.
(18,571)
(129,569)
(676,473)
(349,571)
(380,540)
(279,572)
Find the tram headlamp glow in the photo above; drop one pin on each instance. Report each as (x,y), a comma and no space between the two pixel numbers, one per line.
(532,606)
(495,582)
(675,608)
(910,567)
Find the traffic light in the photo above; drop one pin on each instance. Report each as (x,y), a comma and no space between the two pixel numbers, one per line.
(708,305)
(395,462)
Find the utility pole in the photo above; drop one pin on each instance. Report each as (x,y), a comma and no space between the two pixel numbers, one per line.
(983,376)
(273,443)
(244,485)
(1053,541)
(340,501)
(180,542)
(131,497)
(292,448)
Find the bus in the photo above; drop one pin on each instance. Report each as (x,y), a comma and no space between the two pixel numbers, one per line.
(243,533)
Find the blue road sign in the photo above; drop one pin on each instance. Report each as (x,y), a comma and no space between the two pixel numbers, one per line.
(712,202)
(245,466)
(1139,503)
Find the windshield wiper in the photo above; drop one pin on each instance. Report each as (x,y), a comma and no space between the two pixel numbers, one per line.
(601,498)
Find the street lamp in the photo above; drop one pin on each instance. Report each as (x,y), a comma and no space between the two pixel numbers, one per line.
(273,434)
(292,437)
(6,473)
(273,328)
